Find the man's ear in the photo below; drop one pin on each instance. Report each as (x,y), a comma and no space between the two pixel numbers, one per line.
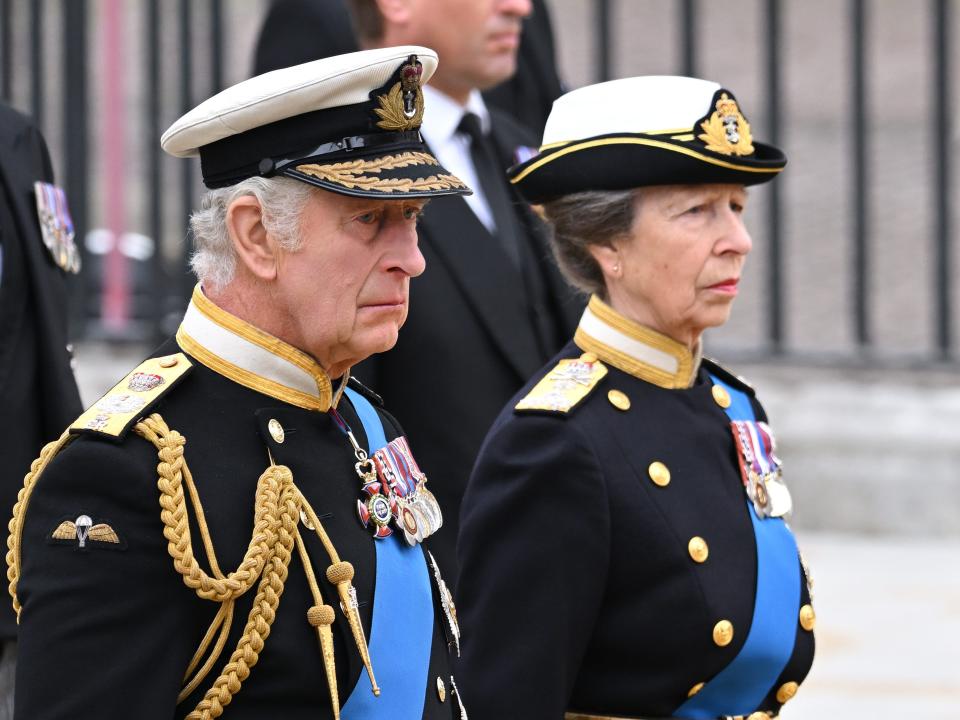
(255,248)
(394,12)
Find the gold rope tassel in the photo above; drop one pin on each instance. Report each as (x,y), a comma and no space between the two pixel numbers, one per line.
(321,617)
(341,573)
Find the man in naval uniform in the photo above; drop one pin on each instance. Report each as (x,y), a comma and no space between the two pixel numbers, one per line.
(234,528)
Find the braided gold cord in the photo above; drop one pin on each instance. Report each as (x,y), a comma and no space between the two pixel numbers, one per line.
(276,514)
(277,511)
(262,613)
(223,621)
(15,525)
(169,444)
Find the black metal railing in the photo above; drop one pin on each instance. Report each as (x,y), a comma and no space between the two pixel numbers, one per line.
(183,51)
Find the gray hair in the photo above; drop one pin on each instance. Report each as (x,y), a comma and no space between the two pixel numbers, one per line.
(214,260)
(579,220)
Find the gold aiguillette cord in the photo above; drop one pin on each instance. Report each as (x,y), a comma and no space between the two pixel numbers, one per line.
(340,573)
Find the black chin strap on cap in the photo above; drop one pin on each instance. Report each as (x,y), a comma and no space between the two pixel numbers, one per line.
(269,167)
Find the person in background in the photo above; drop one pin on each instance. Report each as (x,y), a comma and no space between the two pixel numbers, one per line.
(232,530)
(38,393)
(297,31)
(623,546)
(492,307)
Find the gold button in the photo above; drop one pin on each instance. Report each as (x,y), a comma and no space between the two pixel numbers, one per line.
(759,715)
(619,400)
(698,549)
(723,633)
(659,473)
(441,689)
(786,692)
(721,396)
(694,690)
(808,618)
(168,362)
(588,357)
(276,430)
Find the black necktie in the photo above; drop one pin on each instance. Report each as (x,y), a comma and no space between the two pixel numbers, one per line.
(493,183)
(510,231)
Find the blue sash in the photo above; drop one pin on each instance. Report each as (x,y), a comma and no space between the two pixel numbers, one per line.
(401,631)
(743,684)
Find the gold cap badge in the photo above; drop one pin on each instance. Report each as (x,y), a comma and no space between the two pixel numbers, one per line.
(401,108)
(727,131)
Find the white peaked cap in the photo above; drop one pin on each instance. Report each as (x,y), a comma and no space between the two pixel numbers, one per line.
(280,94)
(649,104)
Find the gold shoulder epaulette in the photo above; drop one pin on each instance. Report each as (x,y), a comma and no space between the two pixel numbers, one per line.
(128,401)
(564,387)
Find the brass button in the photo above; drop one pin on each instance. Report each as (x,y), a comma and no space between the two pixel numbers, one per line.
(168,362)
(694,690)
(786,692)
(721,396)
(758,715)
(276,430)
(588,357)
(619,400)
(659,473)
(698,549)
(723,633)
(808,618)
(441,689)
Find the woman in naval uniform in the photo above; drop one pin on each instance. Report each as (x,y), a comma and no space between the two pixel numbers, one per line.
(623,546)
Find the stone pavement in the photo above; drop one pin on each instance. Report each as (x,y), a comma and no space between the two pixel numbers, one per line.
(888,629)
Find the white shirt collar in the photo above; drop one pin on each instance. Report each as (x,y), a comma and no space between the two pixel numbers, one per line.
(442,115)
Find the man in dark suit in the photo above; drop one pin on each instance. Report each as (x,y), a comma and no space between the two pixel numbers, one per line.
(298,31)
(491,306)
(38,394)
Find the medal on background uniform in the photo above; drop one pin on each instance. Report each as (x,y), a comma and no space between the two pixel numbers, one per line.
(760,468)
(56,226)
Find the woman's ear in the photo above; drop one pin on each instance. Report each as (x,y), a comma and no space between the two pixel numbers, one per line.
(254,246)
(608,258)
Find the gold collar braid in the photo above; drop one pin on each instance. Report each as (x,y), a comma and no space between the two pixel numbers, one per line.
(279,506)
(637,350)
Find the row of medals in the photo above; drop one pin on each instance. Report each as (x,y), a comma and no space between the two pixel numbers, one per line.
(415,515)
